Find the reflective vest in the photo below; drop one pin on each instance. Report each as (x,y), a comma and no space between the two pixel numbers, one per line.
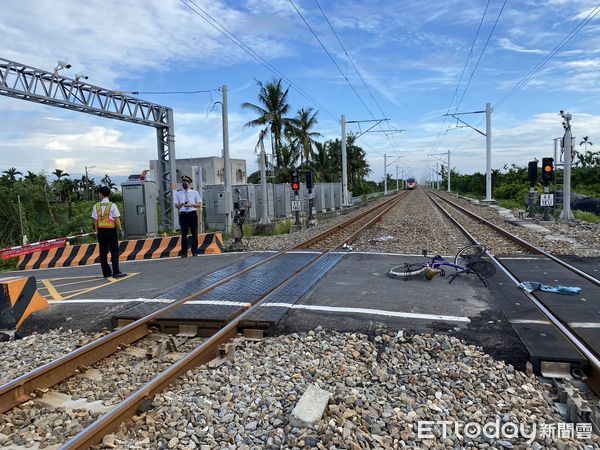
(103,219)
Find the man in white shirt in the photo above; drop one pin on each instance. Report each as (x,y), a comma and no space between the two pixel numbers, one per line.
(187,202)
(107,222)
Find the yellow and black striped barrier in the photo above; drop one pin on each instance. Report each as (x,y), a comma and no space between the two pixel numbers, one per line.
(134,250)
(19,298)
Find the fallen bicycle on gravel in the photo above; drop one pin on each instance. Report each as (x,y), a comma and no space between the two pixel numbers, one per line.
(468,260)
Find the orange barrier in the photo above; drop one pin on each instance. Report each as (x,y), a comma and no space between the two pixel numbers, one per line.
(19,298)
(152,248)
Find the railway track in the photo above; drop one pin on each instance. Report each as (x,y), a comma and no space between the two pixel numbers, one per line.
(27,386)
(468,221)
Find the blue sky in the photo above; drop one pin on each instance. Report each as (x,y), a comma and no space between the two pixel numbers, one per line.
(410,54)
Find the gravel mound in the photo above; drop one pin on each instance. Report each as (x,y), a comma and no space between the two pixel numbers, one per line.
(578,238)
(381,388)
(23,355)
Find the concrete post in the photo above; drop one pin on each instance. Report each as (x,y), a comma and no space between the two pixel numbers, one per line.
(566,215)
(384,174)
(449,172)
(226,164)
(488,152)
(344,164)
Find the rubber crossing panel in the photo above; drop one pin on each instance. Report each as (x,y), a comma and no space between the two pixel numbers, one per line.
(279,302)
(229,299)
(542,339)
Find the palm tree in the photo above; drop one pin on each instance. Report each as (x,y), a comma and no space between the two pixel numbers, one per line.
(30,176)
(321,162)
(11,174)
(300,129)
(58,173)
(106,181)
(272,112)
(586,141)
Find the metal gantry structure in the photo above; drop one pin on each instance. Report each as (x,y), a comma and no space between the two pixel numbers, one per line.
(24,82)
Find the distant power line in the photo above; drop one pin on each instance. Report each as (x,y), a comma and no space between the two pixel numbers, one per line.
(570,35)
(369,110)
(438,139)
(200,12)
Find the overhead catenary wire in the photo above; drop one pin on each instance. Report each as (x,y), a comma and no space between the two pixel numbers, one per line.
(565,40)
(199,11)
(393,145)
(481,55)
(336,64)
(438,139)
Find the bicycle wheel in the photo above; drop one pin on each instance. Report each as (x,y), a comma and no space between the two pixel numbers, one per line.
(485,269)
(469,254)
(407,270)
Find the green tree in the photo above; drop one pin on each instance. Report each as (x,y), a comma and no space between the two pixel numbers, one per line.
(58,173)
(106,181)
(301,132)
(11,174)
(271,111)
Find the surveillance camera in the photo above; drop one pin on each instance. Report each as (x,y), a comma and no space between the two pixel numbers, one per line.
(561,112)
(64,65)
(80,75)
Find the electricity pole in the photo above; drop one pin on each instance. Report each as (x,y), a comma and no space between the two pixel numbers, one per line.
(226,164)
(344,164)
(488,145)
(566,215)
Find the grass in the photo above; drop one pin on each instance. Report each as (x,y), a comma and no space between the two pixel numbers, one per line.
(280,227)
(510,204)
(586,216)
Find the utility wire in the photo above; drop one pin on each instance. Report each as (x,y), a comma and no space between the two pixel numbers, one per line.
(438,140)
(330,57)
(335,63)
(565,40)
(196,9)
(171,92)
(394,144)
(481,55)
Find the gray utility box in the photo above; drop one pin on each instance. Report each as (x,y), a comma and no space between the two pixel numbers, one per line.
(214,205)
(259,200)
(327,197)
(247,193)
(283,200)
(319,193)
(337,195)
(140,208)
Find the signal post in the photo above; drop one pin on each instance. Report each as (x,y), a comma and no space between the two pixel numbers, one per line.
(296,203)
(547,199)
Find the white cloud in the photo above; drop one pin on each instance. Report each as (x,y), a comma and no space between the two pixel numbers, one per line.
(506,44)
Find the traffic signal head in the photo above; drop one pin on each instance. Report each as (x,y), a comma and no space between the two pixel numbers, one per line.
(309,180)
(532,172)
(295,181)
(547,169)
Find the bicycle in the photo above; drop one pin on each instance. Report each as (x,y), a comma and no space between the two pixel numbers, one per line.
(466,261)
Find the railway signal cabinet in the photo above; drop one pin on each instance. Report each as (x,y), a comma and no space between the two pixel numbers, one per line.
(140,208)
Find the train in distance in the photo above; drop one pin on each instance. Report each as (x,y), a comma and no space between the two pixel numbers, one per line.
(411,183)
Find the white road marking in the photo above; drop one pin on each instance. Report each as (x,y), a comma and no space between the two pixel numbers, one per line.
(335,309)
(585,324)
(375,312)
(148,300)
(532,321)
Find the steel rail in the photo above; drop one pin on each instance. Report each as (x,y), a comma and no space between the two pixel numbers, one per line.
(24,387)
(334,229)
(110,421)
(524,243)
(582,347)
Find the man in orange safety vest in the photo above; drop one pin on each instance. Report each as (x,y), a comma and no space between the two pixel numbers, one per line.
(107,222)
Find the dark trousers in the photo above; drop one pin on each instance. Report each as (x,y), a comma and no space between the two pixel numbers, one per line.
(108,242)
(188,221)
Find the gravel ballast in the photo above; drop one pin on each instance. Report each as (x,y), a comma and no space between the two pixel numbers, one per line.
(381,388)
